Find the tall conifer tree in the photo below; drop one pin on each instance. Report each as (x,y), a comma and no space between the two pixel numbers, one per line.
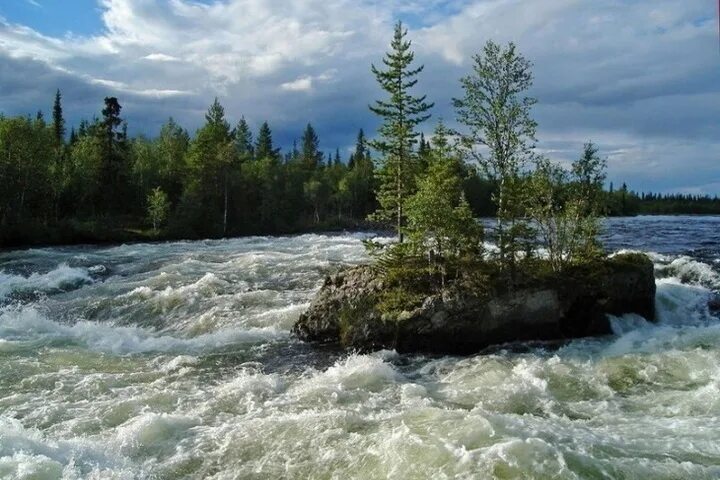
(264,146)
(58,124)
(400,113)
(311,155)
(243,140)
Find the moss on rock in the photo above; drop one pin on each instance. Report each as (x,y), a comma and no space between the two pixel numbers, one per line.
(358,309)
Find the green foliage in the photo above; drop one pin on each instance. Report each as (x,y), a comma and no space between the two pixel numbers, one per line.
(310,155)
(396,300)
(227,181)
(400,114)
(588,177)
(85,183)
(441,226)
(158,207)
(500,133)
(565,207)
(243,141)
(264,146)
(26,149)
(405,277)
(316,193)
(172,146)
(58,125)
(212,165)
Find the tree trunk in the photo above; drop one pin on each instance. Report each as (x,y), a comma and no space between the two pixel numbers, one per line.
(401,237)
(225,214)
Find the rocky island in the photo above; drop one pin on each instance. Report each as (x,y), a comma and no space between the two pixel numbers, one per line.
(440,287)
(348,309)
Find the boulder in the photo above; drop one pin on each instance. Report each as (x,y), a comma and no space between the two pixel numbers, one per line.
(452,321)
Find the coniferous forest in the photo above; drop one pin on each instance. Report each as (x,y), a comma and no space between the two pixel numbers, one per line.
(94,183)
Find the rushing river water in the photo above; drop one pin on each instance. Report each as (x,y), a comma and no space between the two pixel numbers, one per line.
(175,360)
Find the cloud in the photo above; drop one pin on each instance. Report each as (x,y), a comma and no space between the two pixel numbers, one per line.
(302,84)
(639,78)
(160,57)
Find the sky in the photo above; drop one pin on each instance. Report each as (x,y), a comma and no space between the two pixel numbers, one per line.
(640,78)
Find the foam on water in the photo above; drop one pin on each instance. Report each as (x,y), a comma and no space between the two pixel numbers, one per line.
(688,270)
(176,362)
(28,454)
(28,325)
(61,278)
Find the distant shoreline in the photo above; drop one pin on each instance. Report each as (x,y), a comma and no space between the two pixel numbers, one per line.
(125,236)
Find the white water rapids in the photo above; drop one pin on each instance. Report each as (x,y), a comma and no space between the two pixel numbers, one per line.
(175,360)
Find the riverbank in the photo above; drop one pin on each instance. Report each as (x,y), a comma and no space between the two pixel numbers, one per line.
(122,231)
(114,231)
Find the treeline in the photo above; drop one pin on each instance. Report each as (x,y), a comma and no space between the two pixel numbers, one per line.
(623,202)
(95,183)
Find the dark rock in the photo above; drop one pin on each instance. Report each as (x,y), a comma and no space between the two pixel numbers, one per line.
(460,322)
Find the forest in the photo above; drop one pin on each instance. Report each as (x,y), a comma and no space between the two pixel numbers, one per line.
(94,183)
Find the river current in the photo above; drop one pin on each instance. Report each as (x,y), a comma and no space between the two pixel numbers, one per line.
(175,360)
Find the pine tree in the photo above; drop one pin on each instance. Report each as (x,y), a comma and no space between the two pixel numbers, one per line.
(423,154)
(440,138)
(212,161)
(440,224)
(361,153)
(401,113)
(243,141)
(310,156)
(111,120)
(338,161)
(83,129)
(264,145)
(215,116)
(114,149)
(58,124)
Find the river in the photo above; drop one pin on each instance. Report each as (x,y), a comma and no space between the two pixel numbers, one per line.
(175,360)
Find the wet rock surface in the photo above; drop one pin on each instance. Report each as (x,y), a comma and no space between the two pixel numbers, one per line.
(455,321)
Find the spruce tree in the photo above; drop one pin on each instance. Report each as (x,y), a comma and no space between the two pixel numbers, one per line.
(361,152)
(212,163)
(215,116)
(243,140)
(114,176)
(83,129)
(400,114)
(111,120)
(423,154)
(264,145)
(58,124)
(311,156)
